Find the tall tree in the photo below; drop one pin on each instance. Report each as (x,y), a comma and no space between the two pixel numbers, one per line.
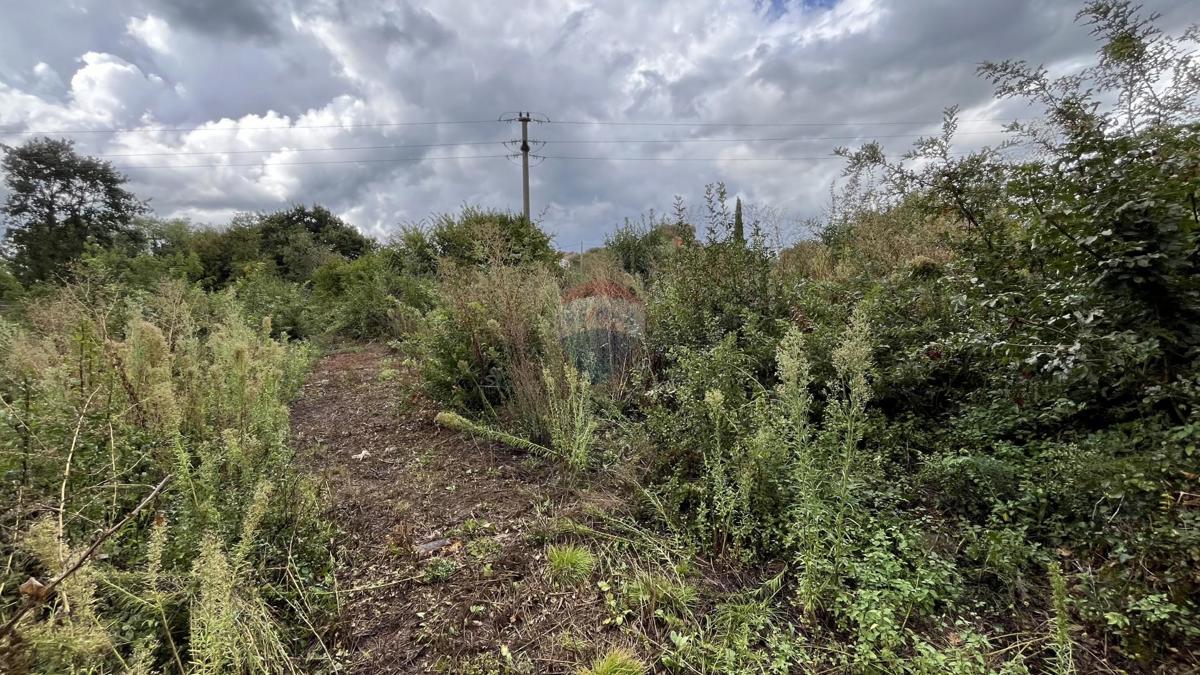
(60,201)
(739,230)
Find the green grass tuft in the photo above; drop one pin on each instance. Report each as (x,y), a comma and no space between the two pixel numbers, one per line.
(618,661)
(569,563)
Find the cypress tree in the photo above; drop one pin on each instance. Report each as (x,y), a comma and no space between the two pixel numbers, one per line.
(739,230)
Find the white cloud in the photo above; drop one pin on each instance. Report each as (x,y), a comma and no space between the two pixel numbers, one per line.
(110,90)
(151,31)
(46,80)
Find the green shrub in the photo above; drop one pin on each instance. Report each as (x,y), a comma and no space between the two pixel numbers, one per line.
(484,344)
(370,297)
(266,297)
(639,247)
(11,290)
(478,237)
(704,293)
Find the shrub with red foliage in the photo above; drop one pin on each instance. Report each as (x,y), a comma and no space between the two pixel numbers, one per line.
(602,288)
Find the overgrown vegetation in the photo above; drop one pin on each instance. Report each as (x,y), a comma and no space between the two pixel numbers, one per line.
(955,432)
(963,417)
(107,391)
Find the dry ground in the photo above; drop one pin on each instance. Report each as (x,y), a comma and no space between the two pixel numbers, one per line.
(399,484)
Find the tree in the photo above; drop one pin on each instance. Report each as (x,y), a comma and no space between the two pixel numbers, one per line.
(482,237)
(301,239)
(739,230)
(60,201)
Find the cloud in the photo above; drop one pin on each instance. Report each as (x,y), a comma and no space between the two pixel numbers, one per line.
(249,19)
(112,90)
(152,32)
(298,77)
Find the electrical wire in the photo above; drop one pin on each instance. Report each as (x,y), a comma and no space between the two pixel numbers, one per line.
(287,149)
(628,141)
(331,161)
(768,124)
(376,125)
(692,159)
(783,139)
(67,132)
(707,159)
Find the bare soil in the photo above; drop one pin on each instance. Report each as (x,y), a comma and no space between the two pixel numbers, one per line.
(441,557)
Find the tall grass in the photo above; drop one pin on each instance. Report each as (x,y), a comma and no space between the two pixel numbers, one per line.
(106,390)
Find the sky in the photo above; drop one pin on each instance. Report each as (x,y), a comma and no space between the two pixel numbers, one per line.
(386,111)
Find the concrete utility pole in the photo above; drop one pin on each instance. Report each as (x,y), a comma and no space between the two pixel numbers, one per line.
(524,118)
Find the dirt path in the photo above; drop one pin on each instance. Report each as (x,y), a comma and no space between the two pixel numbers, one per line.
(399,485)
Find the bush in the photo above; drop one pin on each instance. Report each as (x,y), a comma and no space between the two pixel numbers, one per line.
(478,237)
(483,345)
(705,293)
(280,304)
(291,244)
(108,389)
(11,290)
(639,247)
(371,297)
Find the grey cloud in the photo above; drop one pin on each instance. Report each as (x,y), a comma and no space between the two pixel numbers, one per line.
(570,27)
(322,63)
(257,19)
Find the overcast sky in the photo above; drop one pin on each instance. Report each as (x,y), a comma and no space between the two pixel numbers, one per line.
(200,84)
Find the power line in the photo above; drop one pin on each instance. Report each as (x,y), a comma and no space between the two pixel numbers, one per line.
(441,157)
(783,139)
(693,159)
(287,149)
(377,125)
(330,161)
(770,124)
(289,127)
(705,159)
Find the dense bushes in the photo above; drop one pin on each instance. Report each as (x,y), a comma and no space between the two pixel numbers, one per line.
(291,244)
(105,392)
(477,237)
(1018,450)
(372,297)
(639,247)
(705,293)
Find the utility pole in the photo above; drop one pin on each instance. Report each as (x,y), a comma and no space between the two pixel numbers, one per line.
(524,118)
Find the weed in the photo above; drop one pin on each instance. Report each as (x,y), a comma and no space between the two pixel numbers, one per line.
(485,549)
(1060,638)
(473,526)
(658,595)
(573,643)
(617,661)
(438,570)
(569,564)
(570,417)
